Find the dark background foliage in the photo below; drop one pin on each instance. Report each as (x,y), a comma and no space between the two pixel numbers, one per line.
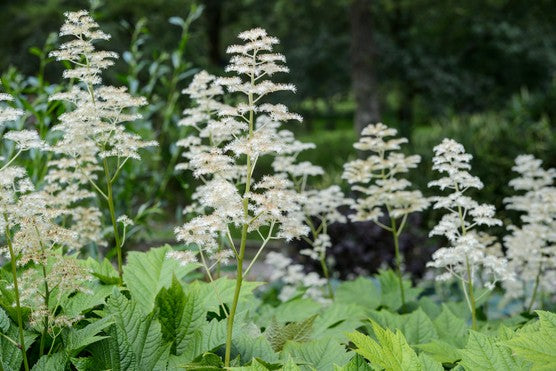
(479,71)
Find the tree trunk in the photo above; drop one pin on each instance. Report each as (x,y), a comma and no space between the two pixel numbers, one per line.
(363,56)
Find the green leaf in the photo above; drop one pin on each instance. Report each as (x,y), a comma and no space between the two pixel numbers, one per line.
(135,341)
(249,347)
(429,364)
(450,328)
(147,272)
(441,351)
(222,291)
(4,321)
(484,353)
(361,291)
(290,311)
(321,354)
(357,363)
(83,302)
(207,362)
(83,363)
(54,362)
(278,334)
(77,340)
(390,351)
(180,316)
(537,346)
(418,328)
(104,271)
(290,365)
(390,289)
(338,319)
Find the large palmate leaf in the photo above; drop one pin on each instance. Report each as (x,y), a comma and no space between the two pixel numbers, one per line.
(135,341)
(278,334)
(248,347)
(450,328)
(147,272)
(390,351)
(181,316)
(54,362)
(390,290)
(484,352)
(76,340)
(338,319)
(320,354)
(361,291)
(416,326)
(82,302)
(357,363)
(537,346)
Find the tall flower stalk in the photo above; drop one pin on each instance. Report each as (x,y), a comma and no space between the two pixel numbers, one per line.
(467,256)
(94,133)
(376,179)
(224,154)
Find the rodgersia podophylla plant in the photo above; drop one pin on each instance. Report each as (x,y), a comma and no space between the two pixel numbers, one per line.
(34,239)
(94,136)
(383,194)
(231,140)
(13,182)
(531,248)
(467,257)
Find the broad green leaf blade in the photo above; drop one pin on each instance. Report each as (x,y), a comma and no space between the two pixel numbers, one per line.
(180,316)
(390,351)
(338,319)
(451,328)
(484,353)
(278,334)
(249,347)
(78,339)
(138,337)
(84,302)
(54,362)
(537,346)
(390,290)
(357,363)
(147,272)
(4,321)
(361,291)
(418,328)
(321,354)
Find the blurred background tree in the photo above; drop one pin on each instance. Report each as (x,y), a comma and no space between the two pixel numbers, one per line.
(481,71)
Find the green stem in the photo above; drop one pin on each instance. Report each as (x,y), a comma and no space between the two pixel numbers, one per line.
(16,292)
(46,297)
(398,256)
(327,276)
(111,208)
(472,304)
(535,290)
(244,228)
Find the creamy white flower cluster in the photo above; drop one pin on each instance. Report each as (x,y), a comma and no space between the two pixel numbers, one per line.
(467,256)
(296,281)
(531,248)
(377,176)
(226,144)
(94,129)
(31,234)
